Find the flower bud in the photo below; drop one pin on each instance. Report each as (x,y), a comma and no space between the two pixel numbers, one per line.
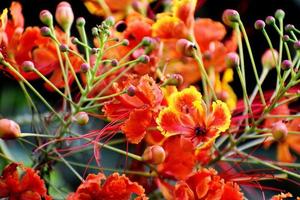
(64,15)
(80,21)
(222,95)
(232,59)
(9,129)
(95,31)
(259,24)
(289,27)
(114,62)
(131,90)
(230,17)
(46,18)
(285,38)
(286,64)
(45,31)
(154,154)
(75,40)
(185,47)
(27,66)
(125,42)
(84,67)
(63,48)
(144,59)
(94,50)
(121,26)
(279,14)
(268,60)
(270,20)
(110,21)
(82,118)
(174,79)
(297,45)
(279,131)
(147,41)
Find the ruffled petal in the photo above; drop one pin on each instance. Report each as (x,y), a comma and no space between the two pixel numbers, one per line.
(220,116)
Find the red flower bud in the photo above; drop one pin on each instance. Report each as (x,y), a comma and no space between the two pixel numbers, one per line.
(27,66)
(154,154)
(9,129)
(46,17)
(230,17)
(185,47)
(279,131)
(64,15)
(82,118)
(232,59)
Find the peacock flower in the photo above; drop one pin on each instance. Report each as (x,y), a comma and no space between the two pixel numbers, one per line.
(29,185)
(97,186)
(187,115)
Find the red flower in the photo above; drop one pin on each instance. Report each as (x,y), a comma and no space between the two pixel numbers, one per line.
(188,116)
(116,187)
(28,186)
(138,110)
(207,185)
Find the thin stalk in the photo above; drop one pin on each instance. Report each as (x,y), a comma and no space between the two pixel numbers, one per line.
(262,77)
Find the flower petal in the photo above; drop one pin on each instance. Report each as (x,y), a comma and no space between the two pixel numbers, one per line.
(220,117)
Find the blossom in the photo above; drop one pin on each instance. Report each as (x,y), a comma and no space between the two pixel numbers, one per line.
(187,115)
(114,187)
(29,45)
(281,196)
(27,186)
(136,111)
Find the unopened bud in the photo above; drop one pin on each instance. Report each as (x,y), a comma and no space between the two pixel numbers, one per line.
(174,79)
(82,118)
(110,21)
(289,27)
(279,14)
(286,64)
(9,129)
(279,131)
(80,21)
(269,58)
(114,62)
(259,24)
(125,42)
(27,66)
(297,45)
(230,17)
(154,155)
(120,26)
(144,59)
(232,60)
(222,95)
(285,38)
(131,90)
(64,15)
(46,18)
(270,20)
(84,67)
(185,47)
(45,31)
(94,50)
(95,31)
(63,48)
(147,41)
(75,40)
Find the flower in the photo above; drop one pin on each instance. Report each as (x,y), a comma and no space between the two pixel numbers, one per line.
(136,112)
(27,186)
(281,196)
(188,116)
(115,187)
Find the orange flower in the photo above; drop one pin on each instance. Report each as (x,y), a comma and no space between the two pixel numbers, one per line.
(30,45)
(281,196)
(138,109)
(206,184)
(115,187)
(188,116)
(180,157)
(27,186)
(116,7)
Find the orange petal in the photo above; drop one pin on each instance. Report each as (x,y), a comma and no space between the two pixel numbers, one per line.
(183,191)
(283,153)
(220,117)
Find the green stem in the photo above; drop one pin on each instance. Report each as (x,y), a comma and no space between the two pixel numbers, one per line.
(36,135)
